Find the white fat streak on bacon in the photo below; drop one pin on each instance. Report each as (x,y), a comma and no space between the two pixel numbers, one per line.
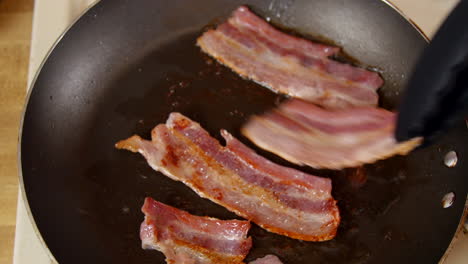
(268,259)
(287,64)
(334,139)
(292,203)
(184,238)
(320,187)
(243,17)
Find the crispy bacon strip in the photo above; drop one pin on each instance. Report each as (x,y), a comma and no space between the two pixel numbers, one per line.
(268,259)
(280,199)
(187,239)
(287,64)
(306,134)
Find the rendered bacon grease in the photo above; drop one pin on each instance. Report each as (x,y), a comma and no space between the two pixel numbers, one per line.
(287,64)
(279,199)
(305,134)
(184,238)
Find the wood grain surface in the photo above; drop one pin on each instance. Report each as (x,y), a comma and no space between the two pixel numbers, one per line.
(15,37)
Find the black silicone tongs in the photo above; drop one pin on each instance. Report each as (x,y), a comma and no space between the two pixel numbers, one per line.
(436,96)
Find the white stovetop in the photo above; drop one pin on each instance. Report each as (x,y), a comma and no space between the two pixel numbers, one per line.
(52,17)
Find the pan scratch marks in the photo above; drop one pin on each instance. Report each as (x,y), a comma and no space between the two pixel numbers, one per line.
(390,205)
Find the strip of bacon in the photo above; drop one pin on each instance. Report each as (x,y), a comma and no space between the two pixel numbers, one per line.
(280,199)
(268,259)
(287,64)
(189,239)
(305,134)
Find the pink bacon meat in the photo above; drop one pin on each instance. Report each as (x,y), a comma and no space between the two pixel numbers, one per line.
(280,199)
(288,64)
(268,259)
(188,239)
(305,134)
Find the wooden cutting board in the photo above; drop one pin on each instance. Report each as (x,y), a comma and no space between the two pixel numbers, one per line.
(15,36)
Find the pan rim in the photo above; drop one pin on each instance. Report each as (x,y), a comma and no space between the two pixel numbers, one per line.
(408,19)
(38,72)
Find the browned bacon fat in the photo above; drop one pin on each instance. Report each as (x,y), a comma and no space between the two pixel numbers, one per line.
(306,134)
(288,64)
(268,259)
(280,199)
(187,239)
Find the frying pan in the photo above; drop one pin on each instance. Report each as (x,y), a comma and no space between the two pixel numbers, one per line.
(125,65)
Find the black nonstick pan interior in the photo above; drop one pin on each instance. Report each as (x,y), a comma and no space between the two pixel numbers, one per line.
(125,65)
